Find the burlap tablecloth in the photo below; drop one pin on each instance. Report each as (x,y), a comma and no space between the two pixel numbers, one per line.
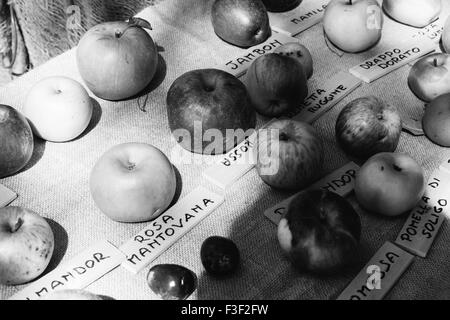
(56,183)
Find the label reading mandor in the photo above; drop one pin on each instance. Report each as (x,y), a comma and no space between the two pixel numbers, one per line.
(392,59)
(239,65)
(324,98)
(87,267)
(303,17)
(160,234)
(425,220)
(379,275)
(6,196)
(340,181)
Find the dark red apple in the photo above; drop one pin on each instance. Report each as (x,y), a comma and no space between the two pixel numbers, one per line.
(16,141)
(281,5)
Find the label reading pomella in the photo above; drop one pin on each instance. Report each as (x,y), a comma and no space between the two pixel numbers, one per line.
(340,181)
(379,275)
(425,220)
(392,59)
(6,196)
(160,234)
(432,31)
(87,267)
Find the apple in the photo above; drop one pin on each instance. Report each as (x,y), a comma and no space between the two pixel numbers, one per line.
(299,52)
(416,13)
(430,77)
(289,155)
(243,23)
(389,184)
(208,101)
(367,126)
(353,25)
(281,5)
(16,141)
(320,232)
(58,108)
(26,245)
(436,120)
(276,84)
(133,182)
(74,294)
(446,36)
(171,281)
(117,60)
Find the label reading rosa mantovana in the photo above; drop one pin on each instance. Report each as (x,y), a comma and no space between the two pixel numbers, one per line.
(379,275)
(425,220)
(160,234)
(303,17)
(340,181)
(392,59)
(77,273)
(6,196)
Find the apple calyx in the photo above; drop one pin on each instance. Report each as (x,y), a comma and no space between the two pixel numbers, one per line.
(134,22)
(283,136)
(17,226)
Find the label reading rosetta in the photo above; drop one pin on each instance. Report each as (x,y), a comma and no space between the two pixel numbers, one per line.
(6,196)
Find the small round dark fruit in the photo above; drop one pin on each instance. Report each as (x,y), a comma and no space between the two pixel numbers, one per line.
(220,256)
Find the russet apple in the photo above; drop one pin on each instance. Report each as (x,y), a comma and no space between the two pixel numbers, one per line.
(133,182)
(299,52)
(16,141)
(389,184)
(276,84)
(26,245)
(367,126)
(353,25)
(416,13)
(281,5)
(320,232)
(430,76)
(243,23)
(289,155)
(436,120)
(58,108)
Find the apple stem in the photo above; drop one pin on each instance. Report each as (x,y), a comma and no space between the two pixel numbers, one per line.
(17,226)
(435,62)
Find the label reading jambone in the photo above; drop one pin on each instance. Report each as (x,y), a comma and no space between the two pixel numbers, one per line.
(379,275)
(424,222)
(308,14)
(239,65)
(87,267)
(391,59)
(6,196)
(159,235)
(340,181)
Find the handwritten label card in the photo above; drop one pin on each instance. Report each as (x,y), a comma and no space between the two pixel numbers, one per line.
(340,181)
(325,97)
(379,275)
(392,59)
(303,17)
(424,222)
(78,273)
(6,196)
(160,234)
(239,65)
(432,31)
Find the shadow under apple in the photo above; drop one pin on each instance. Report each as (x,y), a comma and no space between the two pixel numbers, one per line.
(96,117)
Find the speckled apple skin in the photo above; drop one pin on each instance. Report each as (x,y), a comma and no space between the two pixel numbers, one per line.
(300,53)
(436,121)
(415,13)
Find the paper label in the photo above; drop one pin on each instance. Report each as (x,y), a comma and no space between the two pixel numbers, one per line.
(293,22)
(379,275)
(160,234)
(413,126)
(340,181)
(239,65)
(424,222)
(324,98)
(78,273)
(6,196)
(432,31)
(392,59)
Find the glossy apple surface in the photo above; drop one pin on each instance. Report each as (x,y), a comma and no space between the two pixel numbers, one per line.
(320,232)
(353,25)
(389,184)
(416,13)
(58,108)
(367,126)
(436,120)
(281,5)
(16,141)
(133,182)
(289,155)
(75,294)
(206,101)
(276,84)
(171,281)
(26,245)
(299,52)
(430,76)
(243,23)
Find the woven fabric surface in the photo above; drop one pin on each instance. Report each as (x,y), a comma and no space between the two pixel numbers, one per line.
(56,183)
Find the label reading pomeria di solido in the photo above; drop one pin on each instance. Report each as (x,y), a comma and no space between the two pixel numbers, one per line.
(160,234)
(6,196)
(87,267)
(303,17)
(379,275)
(392,59)
(340,181)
